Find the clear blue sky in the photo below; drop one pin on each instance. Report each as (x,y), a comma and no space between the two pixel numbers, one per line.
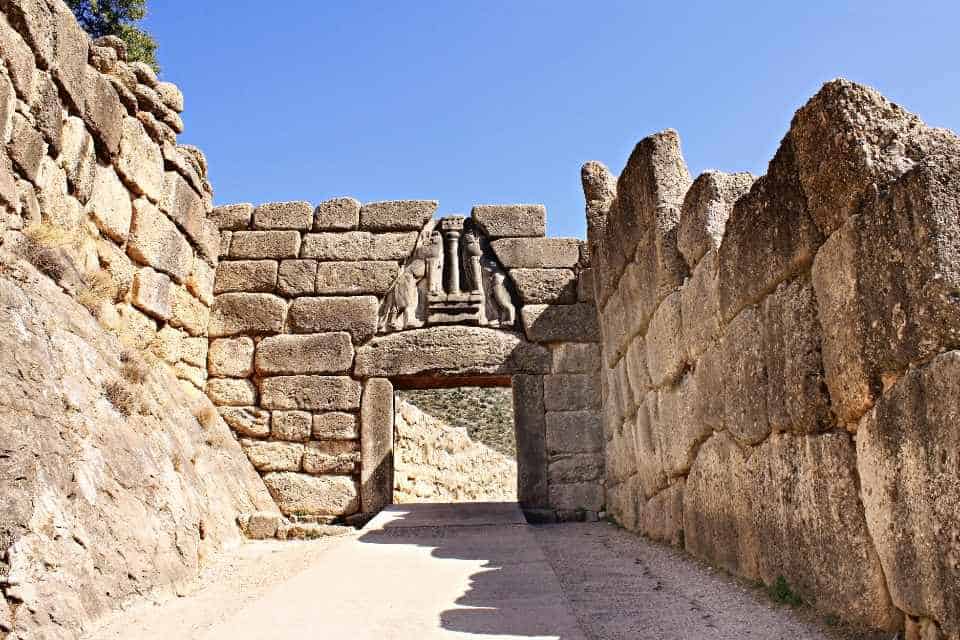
(470,101)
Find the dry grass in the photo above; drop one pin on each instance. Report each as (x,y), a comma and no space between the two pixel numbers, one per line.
(44,247)
(98,289)
(134,367)
(121,397)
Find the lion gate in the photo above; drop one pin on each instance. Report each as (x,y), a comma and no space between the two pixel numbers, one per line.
(320,312)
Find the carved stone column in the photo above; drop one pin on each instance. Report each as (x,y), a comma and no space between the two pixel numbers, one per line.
(452,228)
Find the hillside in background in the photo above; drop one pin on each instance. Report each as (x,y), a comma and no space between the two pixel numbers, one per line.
(485,412)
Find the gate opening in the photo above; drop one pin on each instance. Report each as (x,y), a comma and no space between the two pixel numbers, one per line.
(455,444)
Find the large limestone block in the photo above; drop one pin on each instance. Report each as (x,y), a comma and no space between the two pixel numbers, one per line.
(292,426)
(665,355)
(581,496)
(332,457)
(574,432)
(297,278)
(78,158)
(600,190)
(908,456)
(246,275)
(886,284)
(561,323)
(156,242)
(620,452)
(745,378)
(310,393)
(19,58)
(450,350)
(530,423)
(246,313)
(638,373)
(230,357)
(849,138)
(336,214)
(140,161)
(545,286)
(396,215)
(796,385)
(648,446)
(376,445)
(770,236)
(185,207)
(791,509)
(109,204)
(26,147)
(585,286)
(233,217)
(231,392)
(247,421)
(312,353)
(151,293)
(201,280)
(575,357)
(336,425)
(358,245)
(283,215)
(700,308)
(537,253)
(576,467)
(357,315)
(624,501)
(673,424)
(273,456)
(106,117)
(571,391)
(48,112)
(188,312)
(300,494)
(613,328)
(706,207)
(264,245)
(661,517)
(511,220)
(356,278)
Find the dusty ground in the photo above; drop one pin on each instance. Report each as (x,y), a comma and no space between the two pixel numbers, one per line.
(617,585)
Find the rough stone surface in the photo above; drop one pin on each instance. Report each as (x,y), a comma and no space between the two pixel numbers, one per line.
(537,253)
(706,208)
(337,214)
(283,215)
(151,293)
(529,420)
(561,323)
(109,204)
(357,245)
(299,494)
(356,278)
(376,445)
(545,286)
(155,241)
(273,456)
(576,358)
(262,245)
(336,425)
(231,392)
(574,432)
(246,313)
(511,220)
(665,355)
(230,357)
(247,421)
(450,350)
(313,353)
(396,215)
(233,217)
(310,393)
(357,315)
(571,392)
(297,278)
(140,162)
(246,276)
(293,426)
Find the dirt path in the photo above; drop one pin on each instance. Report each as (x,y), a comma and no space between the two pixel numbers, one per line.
(466,572)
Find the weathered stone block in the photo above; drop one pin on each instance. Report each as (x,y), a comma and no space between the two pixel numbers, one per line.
(638,374)
(299,494)
(571,391)
(26,147)
(231,392)
(186,207)
(530,423)
(908,456)
(188,312)
(399,215)
(196,376)
(47,111)
(613,327)
(357,315)
(246,421)
(78,158)
(109,204)
(19,58)
(290,425)
(336,426)
(450,350)
(356,278)
(661,517)
(574,432)
(273,456)
(246,275)
(312,353)
(310,393)
(648,446)
(585,286)
(700,308)
(261,525)
(376,445)
(102,112)
(201,281)
(246,313)
(706,207)
(577,467)
(511,220)
(561,323)
(231,357)
(156,242)
(624,501)
(338,457)
(259,245)
(637,298)
(193,351)
(575,357)
(233,217)
(151,293)
(297,278)
(283,215)
(140,161)
(336,214)
(586,496)
(664,340)
(358,245)
(545,286)
(537,253)
(745,378)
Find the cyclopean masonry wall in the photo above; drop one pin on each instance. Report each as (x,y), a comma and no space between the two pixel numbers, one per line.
(321,311)
(780,381)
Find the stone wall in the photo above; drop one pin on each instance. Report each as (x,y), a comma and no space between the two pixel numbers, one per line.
(319,311)
(779,374)
(118,477)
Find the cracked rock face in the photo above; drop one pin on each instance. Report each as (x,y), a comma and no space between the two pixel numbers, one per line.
(90,493)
